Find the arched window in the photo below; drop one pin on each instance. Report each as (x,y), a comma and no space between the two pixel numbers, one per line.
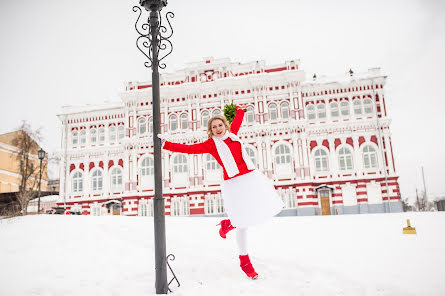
(334,110)
(345,159)
(321,160)
(184,121)
(142,126)
(147,167)
(173,122)
(121,132)
(250,116)
(93,136)
(216,112)
(310,109)
(285,110)
(180,164)
(205,119)
(368,106)
(96,180)
(83,137)
(112,133)
(273,112)
(344,108)
(116,179)
(357,107)
(321,111)
(282,155)
(251,154)
(150,124)
(369,157)
(101,134)
(77,182)
(211,163)
(75,138)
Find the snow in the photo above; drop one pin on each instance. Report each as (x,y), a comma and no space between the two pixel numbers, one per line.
(320,255)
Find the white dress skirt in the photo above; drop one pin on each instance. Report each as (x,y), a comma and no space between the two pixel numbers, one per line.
(250,199)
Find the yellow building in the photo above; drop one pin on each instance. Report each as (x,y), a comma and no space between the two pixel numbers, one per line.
(10,177)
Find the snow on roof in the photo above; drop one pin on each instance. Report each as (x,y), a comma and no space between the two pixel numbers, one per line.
(107,105)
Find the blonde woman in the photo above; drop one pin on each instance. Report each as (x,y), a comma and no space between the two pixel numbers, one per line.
(249,197)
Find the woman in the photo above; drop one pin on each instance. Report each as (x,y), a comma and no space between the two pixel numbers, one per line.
(249,197)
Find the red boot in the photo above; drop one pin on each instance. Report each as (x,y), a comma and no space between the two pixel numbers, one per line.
(226,226)
(247,267)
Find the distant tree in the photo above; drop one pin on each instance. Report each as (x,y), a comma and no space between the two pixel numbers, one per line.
(25,141)
(406,206)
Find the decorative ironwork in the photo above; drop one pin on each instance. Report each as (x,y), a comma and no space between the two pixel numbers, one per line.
(174,275)
(143,42)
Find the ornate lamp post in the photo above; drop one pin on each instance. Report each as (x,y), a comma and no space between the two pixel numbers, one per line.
(41,155)
(154,37)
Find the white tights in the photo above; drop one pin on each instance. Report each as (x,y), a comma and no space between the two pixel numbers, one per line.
(241,240)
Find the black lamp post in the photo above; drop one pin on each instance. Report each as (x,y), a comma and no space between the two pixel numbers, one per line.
(154,37)
(41,154)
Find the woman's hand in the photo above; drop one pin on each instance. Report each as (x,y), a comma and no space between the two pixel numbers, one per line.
(162,138)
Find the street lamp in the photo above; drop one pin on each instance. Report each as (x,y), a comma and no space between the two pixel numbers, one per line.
(41,155)
(153,38)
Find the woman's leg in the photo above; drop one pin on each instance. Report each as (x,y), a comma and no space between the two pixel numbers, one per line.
(241,240)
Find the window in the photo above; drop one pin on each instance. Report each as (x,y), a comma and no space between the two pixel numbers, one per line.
(216,112)
(205,118)
(121,132)
(180,164)
(93,136)
(83,137)
(344,106)
(369,157)
(273,112)
(282,154)
(95,210)
(214,204)
(77,182)
(97,180)
(146,207)
(150,124)
(334,110)
(251,154)
(285,110)
(101,135)
(250,116)
(184,121)
(173,122)
(75,138)
(112,134)
(147,167)
(310,112)
(321,160)
(357,107)
(368,106)
(345,159)
(116,179)
(321,111)
(211,163)
(142,126)
(180,206)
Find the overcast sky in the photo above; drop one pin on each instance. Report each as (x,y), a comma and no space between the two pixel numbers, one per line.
(56,53)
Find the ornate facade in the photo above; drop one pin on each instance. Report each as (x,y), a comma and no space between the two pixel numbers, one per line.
(325,142)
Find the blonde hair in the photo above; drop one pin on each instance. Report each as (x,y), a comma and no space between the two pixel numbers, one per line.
(216,117)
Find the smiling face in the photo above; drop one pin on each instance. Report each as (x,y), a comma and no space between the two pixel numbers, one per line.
(218,128)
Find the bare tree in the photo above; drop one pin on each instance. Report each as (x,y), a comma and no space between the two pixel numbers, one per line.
(25,141)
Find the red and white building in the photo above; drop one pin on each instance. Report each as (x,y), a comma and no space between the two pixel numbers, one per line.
(325,142)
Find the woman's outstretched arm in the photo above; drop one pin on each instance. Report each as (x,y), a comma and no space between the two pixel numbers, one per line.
(237,121)
(189,149)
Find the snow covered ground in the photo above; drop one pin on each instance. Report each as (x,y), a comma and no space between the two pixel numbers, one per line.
(324,255)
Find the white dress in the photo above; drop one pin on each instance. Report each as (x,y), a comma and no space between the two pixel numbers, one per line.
(250,199)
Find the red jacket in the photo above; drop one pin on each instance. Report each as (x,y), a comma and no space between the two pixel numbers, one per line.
(210,147)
